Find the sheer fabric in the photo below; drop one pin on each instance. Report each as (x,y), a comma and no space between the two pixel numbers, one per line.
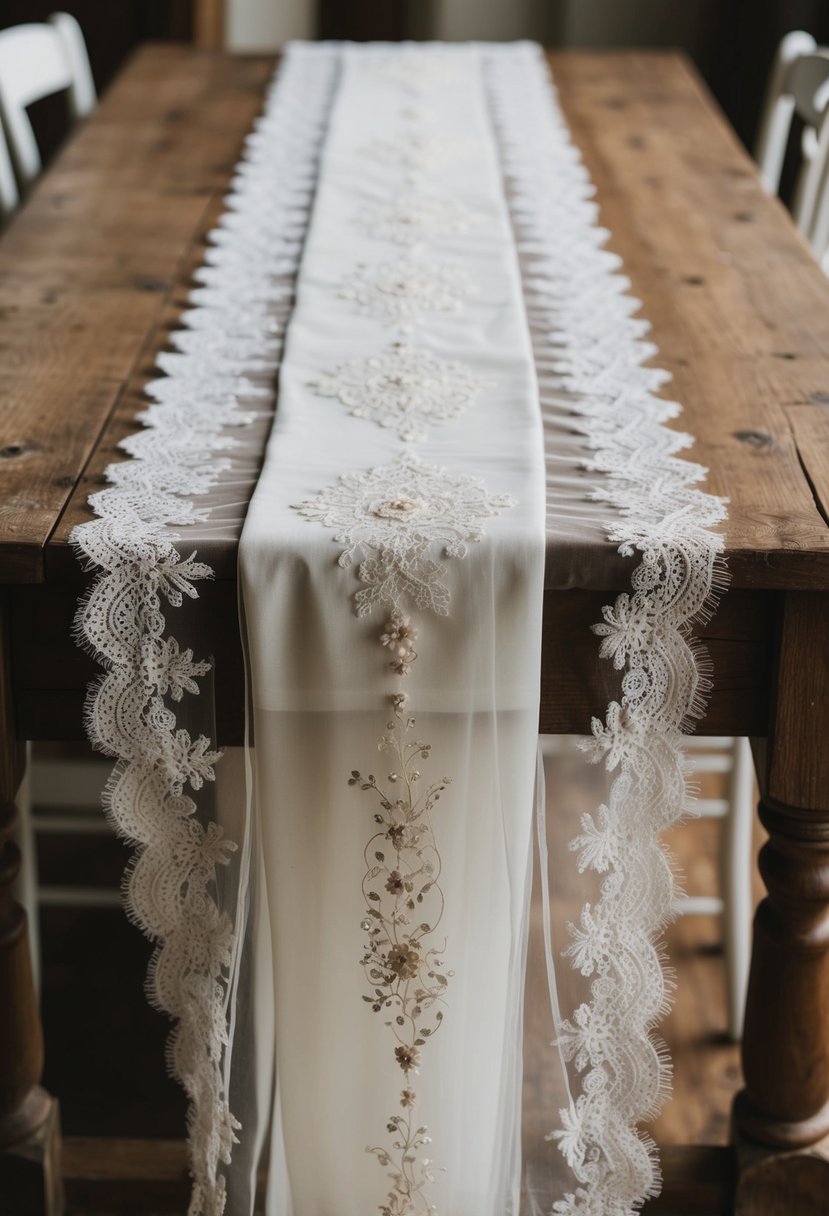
(398,895)
(343,929)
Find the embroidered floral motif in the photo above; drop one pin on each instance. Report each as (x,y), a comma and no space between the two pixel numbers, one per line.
(403,289)
(413,217)
(405,388)
(393,517)
(403,958)
(422,151)
(399,635)
(416,69)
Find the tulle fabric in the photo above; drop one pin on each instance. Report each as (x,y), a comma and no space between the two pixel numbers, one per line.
(322,696)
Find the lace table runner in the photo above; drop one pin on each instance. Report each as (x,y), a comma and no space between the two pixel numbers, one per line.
(414,226)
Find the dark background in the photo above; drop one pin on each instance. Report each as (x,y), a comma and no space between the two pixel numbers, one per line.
(731,41)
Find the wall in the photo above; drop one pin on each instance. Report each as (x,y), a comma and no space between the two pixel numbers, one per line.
(256,25)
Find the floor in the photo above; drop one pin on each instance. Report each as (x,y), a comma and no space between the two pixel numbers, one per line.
(105,1045)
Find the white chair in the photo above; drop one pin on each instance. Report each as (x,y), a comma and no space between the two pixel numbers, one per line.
(732,758)
(798,85)
(35,61)
(9,194)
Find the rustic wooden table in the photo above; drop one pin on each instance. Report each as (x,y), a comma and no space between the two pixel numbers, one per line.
(92,275)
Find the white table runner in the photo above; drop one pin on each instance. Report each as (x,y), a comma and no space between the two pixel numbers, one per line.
(451,281)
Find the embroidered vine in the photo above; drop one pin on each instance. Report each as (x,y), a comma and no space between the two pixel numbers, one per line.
(405,973)
(392,519)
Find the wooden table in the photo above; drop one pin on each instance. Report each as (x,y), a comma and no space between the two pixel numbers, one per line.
(92,274)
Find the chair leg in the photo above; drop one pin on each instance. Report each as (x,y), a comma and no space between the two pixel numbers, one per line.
(30,1182)
(26,887)
(736,884)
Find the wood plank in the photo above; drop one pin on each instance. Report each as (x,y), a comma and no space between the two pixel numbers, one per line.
(698,1180)
(675,190)
(736,301)
(810,430)
(221,556)
(89,264)
(42,451)
(575,686)
(136,1176)
(149,1176)
(798,773)
(51,673)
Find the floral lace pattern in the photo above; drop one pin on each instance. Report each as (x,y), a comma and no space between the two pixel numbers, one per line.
(405,389)
(404,289)
(424,151)
(232,331)
(409,219)
(595,353)
(392,518)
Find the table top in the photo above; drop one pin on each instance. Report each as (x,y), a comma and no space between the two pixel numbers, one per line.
(94,271)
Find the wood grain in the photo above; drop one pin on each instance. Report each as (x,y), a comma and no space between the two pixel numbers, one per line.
(51,675)
(797,773)
(810,430)
(740,310)
(144,1176)
(209,24)
(576,686)
(88,265)
(785,1103)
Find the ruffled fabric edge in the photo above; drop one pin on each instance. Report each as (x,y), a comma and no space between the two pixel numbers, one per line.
(217,377)
(590,350)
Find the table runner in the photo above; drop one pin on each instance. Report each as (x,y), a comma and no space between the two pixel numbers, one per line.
(442,168)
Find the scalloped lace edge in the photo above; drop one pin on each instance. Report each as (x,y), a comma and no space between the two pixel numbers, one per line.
(590,351)
(233,329)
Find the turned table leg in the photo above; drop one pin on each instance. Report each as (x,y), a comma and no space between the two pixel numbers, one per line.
(782,1116)
(30,1182)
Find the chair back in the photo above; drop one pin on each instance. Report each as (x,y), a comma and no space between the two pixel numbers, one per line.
(36,60)
(798,85)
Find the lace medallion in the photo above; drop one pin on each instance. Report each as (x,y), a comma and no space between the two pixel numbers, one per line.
(405,389)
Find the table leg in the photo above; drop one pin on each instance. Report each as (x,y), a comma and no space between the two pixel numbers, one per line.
(30,1183)
(781,1118)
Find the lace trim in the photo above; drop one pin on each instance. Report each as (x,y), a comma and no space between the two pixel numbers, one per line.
(590,355)
(233,330)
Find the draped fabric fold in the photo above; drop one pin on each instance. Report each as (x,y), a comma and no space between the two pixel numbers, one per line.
(392,566)
(410,244)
